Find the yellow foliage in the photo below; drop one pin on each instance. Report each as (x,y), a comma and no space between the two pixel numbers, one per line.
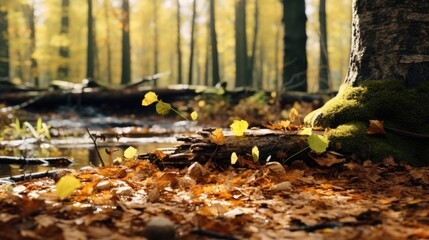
(238,127)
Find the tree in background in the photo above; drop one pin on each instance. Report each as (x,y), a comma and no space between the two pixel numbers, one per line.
(251,70)
(64,50)
(4,41)
(213,41)
(241,58)
(192,43)
(28,10)
(179,45)
(90,56)
(294,52)
(126,45)
(107,42)
(155,39)
(323,41)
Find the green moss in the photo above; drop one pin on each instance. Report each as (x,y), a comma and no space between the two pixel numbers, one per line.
(348,115)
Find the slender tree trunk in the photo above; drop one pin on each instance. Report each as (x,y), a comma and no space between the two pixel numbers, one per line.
(32,72)
(294,54)
(397,49)
(192,44)
(126,46)
(90,56)
(254,44)
(276,58)
(64,51)
(155,39)
(207,60)
(213,39)
(323,41)
(241,58)
(179,47)
(108,48)
(4,43)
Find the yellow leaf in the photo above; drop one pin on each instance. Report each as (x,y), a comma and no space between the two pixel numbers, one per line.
(293,115)
(194,115)
(217,137)
(162,107)
(130,152)
(238,127)
(149,98)
(305,131)
(255,153)
(66,186)
(376,127)
(234,158)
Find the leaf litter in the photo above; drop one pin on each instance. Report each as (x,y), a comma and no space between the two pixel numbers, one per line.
(344,201)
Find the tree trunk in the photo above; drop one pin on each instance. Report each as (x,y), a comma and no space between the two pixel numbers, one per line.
(90,56)
(323,42)
(126,46)
(390,41)
(213,39)
(108,50)
(241,58)
(192,44)
(155,39)
(251,70)
(179,45)
(64,51)
(4,43)
(294,53)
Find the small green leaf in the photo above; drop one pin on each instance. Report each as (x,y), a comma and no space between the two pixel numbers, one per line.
(318,143)
(39,126)
(130,152)
(66,186)
(234,158)
(162,107)
(255,153)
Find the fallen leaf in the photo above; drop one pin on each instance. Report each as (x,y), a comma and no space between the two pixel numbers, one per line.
(234,158)
(283,186)
(238,127)
(293,115)
(160,154)
(327,160)
(278,126)
(376,127)
(255,153)
(66,186)
(217,137)
(318,143)
(194,115)
(130,152)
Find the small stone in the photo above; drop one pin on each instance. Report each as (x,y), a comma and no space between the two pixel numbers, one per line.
(283,186)
(123,191)
(160,228)
(196,172)
(103,185)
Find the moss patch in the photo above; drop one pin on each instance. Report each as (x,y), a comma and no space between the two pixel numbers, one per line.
(348,114)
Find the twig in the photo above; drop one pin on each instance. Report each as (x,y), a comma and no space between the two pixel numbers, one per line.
(94,140)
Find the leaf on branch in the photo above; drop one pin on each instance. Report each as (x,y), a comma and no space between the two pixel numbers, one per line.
(149,98)
(238,127)
(376,127)
(162,108)
(217,137)
(318,143)
(66,186)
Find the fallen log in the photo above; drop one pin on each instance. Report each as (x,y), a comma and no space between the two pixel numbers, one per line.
(28,176)
(273,145)
(63,161)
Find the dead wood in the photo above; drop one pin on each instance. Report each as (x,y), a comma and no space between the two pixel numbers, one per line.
(273,145)
(63,161)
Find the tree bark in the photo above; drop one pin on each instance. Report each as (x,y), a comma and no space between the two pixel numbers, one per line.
(108,50)
(4,43)
(126,46)
(294,53)
(155,39)
(90,56)
(64,51)
(192,44)
(213,39)
(179,45)
(323,42)
(251,70)
(241,57)
(390,41)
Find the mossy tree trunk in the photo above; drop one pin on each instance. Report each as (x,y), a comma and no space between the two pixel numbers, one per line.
(387,80)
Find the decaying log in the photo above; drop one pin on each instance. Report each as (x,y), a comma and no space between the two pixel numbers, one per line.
(274,145)
(29,176)
(47,161)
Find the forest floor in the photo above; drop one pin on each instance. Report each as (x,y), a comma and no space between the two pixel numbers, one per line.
(347,201)
(303,200)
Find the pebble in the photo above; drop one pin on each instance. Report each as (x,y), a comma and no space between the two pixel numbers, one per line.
(123,191)
(160,228)
(196,172)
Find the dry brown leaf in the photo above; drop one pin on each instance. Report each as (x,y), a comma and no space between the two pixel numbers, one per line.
(217,137)
(376,127)
(160,154)
(327,160)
